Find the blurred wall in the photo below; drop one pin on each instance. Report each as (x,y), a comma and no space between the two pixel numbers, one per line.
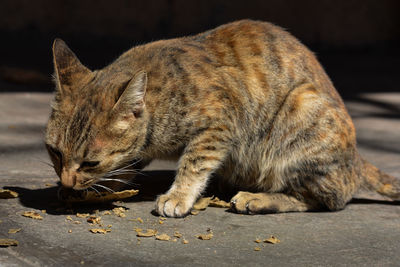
(98,31)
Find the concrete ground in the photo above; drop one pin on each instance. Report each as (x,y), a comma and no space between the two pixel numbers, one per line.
(366,233)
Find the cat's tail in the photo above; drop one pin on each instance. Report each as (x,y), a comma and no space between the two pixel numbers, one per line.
(376,180)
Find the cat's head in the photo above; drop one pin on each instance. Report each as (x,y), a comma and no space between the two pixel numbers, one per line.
(98,121)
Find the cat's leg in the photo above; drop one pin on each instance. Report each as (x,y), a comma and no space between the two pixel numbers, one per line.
(259,203)
(200,159)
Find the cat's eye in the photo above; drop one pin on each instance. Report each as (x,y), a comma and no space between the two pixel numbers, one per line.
(89,164)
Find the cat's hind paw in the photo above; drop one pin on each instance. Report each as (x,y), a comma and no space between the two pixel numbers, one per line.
(175,205)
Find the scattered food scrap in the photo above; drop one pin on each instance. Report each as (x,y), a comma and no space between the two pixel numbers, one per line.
(161,222)
(14,230)
(69,231)
(205,202)
(82,215)
(95,197)
(205,236)
(33,215)
(258,240)
(120,212)
(68,218)
(99,230)
(194,212)
(202,203)
(218,203)
(272,240)
(177,234)
(184,241)
(76,222)
(6,193)
(94,220)
(257,249)
(107,212)
(139,220)
(163,237)
(6,242)
(148,233)
(47,184)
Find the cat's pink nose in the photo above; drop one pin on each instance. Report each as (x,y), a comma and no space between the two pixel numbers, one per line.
(68,179)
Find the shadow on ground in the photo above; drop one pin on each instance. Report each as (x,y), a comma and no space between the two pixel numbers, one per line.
(150,185)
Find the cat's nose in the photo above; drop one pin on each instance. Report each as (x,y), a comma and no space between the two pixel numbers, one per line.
(68,179)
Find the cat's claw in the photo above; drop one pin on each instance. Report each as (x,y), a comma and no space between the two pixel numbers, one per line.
(173,205)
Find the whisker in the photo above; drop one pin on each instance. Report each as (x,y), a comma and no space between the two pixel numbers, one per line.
(95,190)
(122,172)
(127,166)
(119,180)
(45,162)
(104,187)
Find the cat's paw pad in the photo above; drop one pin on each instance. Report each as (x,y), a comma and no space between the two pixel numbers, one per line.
(173,205)
(250,203)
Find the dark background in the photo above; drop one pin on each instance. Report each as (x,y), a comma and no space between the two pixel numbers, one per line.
(357,41)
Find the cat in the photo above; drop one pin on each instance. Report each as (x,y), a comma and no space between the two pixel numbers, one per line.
(245,101)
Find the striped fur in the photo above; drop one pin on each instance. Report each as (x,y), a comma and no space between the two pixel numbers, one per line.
(245,100)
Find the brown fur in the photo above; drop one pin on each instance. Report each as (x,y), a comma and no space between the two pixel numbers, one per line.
(246,101)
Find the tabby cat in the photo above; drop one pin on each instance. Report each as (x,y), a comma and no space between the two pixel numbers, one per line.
(246,101)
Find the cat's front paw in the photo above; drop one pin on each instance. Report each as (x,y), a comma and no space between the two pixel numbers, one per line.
(174,204)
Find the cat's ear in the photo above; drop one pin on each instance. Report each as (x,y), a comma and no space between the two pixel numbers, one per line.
(67,67)
(132,98)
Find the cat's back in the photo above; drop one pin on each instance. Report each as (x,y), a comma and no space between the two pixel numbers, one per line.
(248,60)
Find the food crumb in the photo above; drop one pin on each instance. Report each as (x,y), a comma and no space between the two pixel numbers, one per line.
(184,241)
(177,234)
(257,249)
(205,236)
(194,212)
(218,203)
(33,215)
(68,218)
(148,233)
(94,220)
(139,220)
(107,212)
(76,222)
(99,230)
(257,240)
(6,242)
(6,193)
(272,240)
(161,222)
(82,215)
(163,237)
(120,212)
(43,211)
(202,203)
(109,226)
(69,231)
(47,184)
(14,230)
